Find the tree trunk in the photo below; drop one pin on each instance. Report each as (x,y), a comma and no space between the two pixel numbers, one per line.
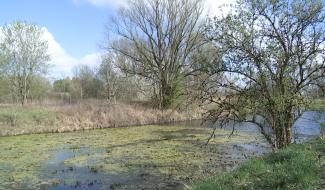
(288,128)
(21,96)
(283,130)
(280,137)
(288,135)
(165,94)
(108,94)
(24,98)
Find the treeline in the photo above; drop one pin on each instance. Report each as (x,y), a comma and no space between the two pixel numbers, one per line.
(101,83)
(87,83)
(40,89)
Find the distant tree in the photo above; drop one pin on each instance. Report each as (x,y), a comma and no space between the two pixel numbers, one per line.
(5,90)
(75,88)
(157,38)
(90,85)
(40,89)
(62,85)
(83,74)
(25,54)
(109,77)
(270,52)
(64,89)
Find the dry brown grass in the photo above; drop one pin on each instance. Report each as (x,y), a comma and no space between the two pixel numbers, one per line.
(101,115)
(92,115)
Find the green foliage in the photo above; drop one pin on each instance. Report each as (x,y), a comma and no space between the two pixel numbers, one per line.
(295,167)
(62,85)
(5,90)
(40,88)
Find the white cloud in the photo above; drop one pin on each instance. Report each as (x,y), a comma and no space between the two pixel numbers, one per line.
(212,7)
(103,3)
(1,35)
(62,62)
(217,8)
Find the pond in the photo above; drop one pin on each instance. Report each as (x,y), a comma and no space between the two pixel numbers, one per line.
(308,126)
(145,157)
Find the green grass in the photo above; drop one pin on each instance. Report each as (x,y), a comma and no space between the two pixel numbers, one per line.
(295,167)
(22,113)
(318,105)
(14,119)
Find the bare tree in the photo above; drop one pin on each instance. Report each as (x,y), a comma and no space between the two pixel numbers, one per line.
(270,52)
(109,77)
(157,37)
(26,54)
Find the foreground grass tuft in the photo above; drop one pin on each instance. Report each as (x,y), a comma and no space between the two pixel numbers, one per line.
(300,166)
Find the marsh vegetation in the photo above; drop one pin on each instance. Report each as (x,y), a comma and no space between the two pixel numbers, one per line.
(149,157)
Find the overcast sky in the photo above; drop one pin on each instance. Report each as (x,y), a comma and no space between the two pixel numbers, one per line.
(74,28)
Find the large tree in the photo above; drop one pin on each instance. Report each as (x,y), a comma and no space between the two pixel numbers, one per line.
(25,53)
(270,52)
(157,37)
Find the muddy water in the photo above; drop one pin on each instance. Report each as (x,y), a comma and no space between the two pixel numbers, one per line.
(146,157)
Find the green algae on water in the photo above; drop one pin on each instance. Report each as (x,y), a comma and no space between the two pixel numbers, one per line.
(131,157)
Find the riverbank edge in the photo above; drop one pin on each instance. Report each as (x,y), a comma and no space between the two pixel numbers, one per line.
(16,121)
(298,166)
(174,122)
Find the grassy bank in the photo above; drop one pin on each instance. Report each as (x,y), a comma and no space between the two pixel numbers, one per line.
(18,120)
(299,166)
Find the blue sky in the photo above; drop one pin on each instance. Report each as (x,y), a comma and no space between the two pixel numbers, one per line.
(78,26)
(74,28)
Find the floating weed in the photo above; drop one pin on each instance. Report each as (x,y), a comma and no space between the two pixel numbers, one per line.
(167,153)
